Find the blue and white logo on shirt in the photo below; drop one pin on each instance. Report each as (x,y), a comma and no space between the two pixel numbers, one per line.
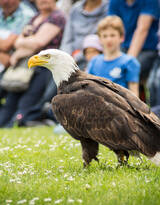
(115,72)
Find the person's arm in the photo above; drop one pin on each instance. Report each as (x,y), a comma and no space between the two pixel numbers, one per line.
(18,54)
(140,34)
(40,39)
(7,44)
(4,59)
(133,74)
(134,87)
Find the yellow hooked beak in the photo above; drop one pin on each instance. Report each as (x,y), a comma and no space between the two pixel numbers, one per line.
(36,61)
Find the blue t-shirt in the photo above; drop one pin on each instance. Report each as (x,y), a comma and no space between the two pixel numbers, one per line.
(130,13)
(121,70)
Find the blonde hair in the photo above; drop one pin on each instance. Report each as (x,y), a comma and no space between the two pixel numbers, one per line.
(114,22)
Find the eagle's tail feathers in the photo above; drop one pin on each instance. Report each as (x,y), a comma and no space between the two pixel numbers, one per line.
(155,159)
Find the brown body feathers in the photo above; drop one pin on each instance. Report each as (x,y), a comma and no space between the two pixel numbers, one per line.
(95,110)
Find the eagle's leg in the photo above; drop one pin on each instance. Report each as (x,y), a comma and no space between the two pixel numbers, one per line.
(121,154)
(89,151)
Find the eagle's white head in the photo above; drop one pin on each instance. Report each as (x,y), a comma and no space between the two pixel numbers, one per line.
(60,63)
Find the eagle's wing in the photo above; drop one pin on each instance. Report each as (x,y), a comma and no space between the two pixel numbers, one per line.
(138,108)
(92,110)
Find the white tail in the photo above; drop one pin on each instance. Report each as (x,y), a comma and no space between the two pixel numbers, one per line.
(156,159)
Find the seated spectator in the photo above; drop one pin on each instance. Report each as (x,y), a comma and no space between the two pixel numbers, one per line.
(34,37)
(113,64)
(141,25)
(13,17)
(82,20)
(49,20)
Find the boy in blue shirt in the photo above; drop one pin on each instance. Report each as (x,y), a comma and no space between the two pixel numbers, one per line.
(113,64)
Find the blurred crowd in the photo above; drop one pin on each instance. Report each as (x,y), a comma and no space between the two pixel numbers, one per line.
(77,27)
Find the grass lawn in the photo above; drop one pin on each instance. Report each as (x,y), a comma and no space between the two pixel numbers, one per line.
(39,167)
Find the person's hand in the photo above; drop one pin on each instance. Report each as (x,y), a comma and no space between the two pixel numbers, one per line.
(13,59)
(27,31)
(19,41)
(4,59)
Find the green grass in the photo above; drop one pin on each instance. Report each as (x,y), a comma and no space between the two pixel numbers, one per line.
(38,167)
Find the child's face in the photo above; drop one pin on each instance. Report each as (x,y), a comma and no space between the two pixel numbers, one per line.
(90,53)
(111,39)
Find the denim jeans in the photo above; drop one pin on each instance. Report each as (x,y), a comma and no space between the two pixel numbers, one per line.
(18,104)
(37,112)
(153,84)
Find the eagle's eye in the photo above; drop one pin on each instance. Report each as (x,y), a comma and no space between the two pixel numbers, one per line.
(47,56)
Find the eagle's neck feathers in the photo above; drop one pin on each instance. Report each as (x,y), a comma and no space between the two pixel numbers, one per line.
(62,72)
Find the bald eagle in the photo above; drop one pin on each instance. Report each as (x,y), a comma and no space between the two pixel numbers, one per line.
(95,110)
